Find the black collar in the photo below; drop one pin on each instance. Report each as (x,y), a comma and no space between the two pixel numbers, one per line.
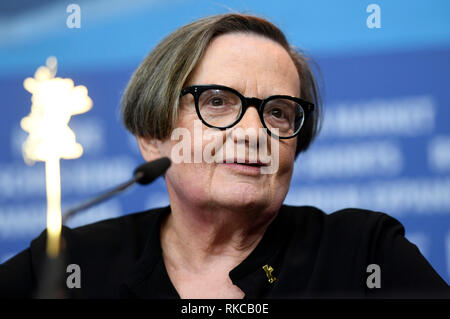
(149,278)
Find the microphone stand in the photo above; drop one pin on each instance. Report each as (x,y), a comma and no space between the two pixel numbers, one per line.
(52,285)
(69,213)
(53,271)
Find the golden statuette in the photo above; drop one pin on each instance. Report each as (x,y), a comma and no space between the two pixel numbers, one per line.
(54,101)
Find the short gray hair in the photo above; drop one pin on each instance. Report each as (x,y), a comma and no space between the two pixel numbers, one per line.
(150,102)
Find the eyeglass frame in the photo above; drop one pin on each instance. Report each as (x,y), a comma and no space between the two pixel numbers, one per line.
(259,104)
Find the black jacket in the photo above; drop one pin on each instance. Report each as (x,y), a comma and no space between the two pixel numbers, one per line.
(312,254)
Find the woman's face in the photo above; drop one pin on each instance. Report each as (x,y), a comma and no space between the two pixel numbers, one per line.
(256,67)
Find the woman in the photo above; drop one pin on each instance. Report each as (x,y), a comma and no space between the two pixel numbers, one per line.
(227,233)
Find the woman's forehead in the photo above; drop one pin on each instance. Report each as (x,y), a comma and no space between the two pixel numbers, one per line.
(249,63)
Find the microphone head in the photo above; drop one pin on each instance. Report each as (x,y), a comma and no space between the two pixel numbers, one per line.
(149,171)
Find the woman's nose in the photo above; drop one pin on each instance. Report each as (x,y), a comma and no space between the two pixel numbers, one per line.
(251,119)
(248,133)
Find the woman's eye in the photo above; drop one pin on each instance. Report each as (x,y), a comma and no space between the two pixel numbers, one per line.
(217,101)
(278,113)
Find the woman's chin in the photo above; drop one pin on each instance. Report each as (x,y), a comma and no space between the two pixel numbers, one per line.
(242,198)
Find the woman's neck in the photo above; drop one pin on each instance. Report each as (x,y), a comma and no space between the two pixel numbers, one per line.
(211,238)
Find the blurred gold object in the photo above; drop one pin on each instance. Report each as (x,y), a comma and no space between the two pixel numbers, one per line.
(54,101)
(268,270)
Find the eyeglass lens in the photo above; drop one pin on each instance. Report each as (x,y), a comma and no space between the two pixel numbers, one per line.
(221,108)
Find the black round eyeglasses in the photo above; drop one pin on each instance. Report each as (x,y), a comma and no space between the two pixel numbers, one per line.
(222,107)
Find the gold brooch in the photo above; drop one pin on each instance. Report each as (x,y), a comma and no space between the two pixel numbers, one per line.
(268,269)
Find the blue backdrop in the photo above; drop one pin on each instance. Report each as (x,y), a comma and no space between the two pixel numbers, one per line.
(385,143)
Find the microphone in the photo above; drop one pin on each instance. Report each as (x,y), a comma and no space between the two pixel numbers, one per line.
(143,174)
(148,172)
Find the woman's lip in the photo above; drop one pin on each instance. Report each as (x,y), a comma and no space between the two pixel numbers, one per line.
(245,162)
(244,168)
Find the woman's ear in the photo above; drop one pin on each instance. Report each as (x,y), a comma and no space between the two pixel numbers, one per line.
(149,147)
